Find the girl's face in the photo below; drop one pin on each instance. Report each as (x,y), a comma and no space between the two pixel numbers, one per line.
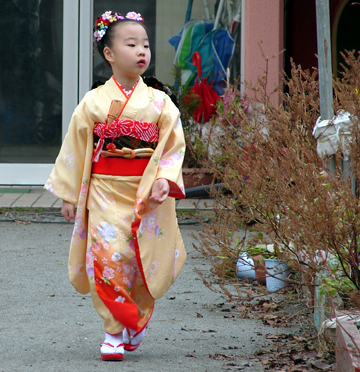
(130,53)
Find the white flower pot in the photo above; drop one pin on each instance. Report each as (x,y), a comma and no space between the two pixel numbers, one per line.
(278,271)
(245,267)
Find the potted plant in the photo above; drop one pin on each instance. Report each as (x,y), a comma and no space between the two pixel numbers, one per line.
(259,253)
(197,148)
(269,268)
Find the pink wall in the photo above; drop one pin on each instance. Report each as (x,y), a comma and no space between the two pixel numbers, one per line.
(264,21)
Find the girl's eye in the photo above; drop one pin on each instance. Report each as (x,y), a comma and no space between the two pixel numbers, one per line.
(131,45)
(146,46)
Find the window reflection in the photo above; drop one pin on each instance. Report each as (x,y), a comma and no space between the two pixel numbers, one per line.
(30,80)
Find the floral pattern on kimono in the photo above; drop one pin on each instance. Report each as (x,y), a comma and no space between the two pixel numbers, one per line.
(160,259)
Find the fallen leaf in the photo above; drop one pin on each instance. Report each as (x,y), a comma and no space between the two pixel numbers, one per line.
(300,338)
(270,316)
(297,358)
(221,357)
(263,290)
(322,366)
(310,355)
(240,308)
(272,337)
(261,352)
(267,305)
(18,222)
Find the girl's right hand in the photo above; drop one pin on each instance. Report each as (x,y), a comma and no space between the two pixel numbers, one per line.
(68,211)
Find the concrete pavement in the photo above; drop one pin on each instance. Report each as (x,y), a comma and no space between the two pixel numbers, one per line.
(46,325)
(37,197)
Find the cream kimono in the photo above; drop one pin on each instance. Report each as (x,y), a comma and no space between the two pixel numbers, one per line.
(127,251)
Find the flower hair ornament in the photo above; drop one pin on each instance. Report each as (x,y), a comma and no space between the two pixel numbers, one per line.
(103,22)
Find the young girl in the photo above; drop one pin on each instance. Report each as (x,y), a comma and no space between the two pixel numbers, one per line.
(123,176)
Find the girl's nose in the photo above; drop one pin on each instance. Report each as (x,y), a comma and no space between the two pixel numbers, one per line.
(141,51)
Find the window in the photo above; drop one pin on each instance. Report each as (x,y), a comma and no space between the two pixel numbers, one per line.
(30,80)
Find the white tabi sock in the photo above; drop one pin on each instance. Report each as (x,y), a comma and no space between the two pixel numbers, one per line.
(114,340)
(133,340)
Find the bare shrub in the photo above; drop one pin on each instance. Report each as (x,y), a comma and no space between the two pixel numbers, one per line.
(282,191)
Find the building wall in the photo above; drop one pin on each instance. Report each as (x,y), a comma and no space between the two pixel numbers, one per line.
(170,17)
(264,24)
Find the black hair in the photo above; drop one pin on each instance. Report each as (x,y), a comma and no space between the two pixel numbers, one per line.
(151,81)
(107,39)
(97,83)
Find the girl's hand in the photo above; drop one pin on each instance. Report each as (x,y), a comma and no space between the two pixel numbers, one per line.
(160,191)
(68,211)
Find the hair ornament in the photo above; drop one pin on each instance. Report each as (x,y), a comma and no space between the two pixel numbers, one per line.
(134,16)
(103,22)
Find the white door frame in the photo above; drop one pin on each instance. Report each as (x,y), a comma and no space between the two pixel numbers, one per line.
(77,78)
(86,49)
(78,55)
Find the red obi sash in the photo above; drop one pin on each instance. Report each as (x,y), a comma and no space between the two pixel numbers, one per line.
(120,166)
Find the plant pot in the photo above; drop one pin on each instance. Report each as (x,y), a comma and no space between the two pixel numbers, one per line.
(277,272)
(194,177)
(245,267)
(260,270)
(347,343)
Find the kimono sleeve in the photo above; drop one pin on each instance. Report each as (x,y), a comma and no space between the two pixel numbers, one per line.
(67,175)
(170,164)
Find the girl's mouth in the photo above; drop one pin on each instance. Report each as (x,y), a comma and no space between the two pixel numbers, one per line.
(141,62)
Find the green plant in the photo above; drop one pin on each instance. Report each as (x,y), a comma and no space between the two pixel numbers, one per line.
(263,250)
(188,102)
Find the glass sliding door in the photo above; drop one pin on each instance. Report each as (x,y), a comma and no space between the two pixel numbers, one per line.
(47,64)
(30,80)
(39,84)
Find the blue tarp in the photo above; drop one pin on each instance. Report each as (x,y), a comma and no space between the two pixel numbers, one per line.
(216,48)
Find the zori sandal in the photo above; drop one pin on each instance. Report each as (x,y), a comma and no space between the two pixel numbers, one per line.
(133,340)
(111,352)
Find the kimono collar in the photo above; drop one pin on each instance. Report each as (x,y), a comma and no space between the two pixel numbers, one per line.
(127,93)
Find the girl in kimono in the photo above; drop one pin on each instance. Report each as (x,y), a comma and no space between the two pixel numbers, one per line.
(118,177)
